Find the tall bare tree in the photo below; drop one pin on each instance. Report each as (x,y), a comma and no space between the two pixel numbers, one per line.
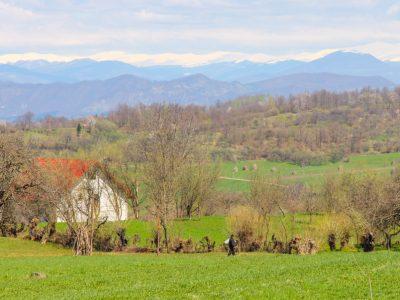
(168,147)
(196,186)
(266,196)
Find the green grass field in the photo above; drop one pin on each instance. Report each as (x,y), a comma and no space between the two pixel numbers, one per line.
(217,228)
(291,173)
(337,275)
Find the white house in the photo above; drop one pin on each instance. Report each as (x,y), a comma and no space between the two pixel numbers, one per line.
(111,205)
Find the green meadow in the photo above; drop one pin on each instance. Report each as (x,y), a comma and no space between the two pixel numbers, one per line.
(336,275)
(291,173)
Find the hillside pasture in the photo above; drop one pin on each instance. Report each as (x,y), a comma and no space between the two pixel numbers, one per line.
(292,173)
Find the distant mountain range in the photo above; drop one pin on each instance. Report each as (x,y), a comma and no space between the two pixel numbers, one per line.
(84,87)
(311,82)
(341,63)
(100,96)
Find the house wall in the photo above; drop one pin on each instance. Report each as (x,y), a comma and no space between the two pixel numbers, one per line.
(112,206)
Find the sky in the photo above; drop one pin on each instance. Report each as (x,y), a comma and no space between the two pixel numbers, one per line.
(195,32)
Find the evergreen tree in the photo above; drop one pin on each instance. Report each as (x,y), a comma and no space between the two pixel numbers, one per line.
(79,129)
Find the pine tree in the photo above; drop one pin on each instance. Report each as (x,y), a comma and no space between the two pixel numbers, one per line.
(79,129)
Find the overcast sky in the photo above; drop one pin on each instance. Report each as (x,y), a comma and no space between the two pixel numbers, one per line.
(191,32)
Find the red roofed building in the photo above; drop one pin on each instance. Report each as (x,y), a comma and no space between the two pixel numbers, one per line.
(70,174)
(68,169)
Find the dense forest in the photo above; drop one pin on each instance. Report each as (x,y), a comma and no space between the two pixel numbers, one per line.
(306,129)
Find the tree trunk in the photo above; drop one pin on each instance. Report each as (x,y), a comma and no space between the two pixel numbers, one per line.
(158,241)
(165,229)
(8,225)
(83,243)
(388,241)
(136,213)
(189,211)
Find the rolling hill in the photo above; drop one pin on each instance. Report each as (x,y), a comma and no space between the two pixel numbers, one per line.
(100,96)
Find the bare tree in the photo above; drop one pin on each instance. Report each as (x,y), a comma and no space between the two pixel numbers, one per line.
(266,196)
(167,148)
(196,185)
(26,120)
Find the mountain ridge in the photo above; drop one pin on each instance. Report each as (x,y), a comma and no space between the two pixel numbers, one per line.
(339,62)
(101,96)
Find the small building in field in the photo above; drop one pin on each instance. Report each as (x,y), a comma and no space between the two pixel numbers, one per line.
(83,184)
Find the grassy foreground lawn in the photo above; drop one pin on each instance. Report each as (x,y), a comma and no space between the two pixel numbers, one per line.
(117,276)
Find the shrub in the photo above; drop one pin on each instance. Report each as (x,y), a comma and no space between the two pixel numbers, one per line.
(103,242)
(65,239)
(247,226)
(344,239)
(206,245)
(298,246)
(183,246)
(368,242)
(337,227)
(110,238)
(332,241)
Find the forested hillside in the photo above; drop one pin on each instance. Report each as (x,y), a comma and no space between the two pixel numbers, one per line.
(304,129)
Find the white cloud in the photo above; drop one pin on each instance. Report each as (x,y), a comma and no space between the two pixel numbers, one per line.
(394,9)
(12,11)
(381,50)
(149,16)
(260,30)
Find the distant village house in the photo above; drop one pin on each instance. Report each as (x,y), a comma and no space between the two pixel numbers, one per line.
(111,205)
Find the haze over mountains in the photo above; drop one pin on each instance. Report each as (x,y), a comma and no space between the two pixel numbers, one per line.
(342,63)
(85,86)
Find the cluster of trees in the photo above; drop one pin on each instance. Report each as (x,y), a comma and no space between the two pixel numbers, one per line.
(369,201)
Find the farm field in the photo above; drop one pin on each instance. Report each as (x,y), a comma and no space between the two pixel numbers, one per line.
(291,173)
(170,276)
